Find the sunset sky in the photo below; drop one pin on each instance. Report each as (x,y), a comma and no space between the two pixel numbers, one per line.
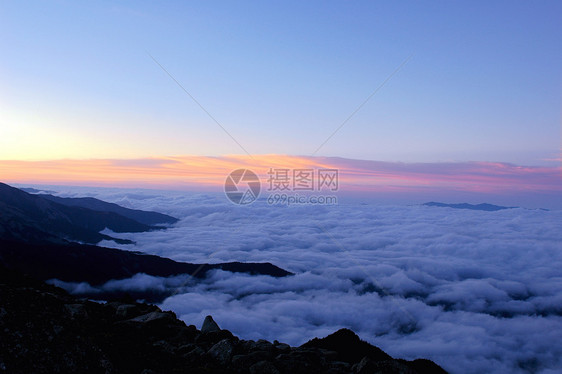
(455,83)
(192,108)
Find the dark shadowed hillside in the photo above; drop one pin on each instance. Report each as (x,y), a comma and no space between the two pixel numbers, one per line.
(34,234)
(31,218)
(144,217)
(87,263)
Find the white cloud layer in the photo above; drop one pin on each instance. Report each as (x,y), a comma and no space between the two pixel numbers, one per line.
(474,291)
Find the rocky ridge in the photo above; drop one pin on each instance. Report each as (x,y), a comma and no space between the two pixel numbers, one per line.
(45,330)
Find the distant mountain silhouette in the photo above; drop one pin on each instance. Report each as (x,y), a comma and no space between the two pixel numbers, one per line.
(33,218)
(147,218)
(484,207)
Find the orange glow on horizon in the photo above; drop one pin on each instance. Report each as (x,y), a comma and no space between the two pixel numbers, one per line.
(190,172)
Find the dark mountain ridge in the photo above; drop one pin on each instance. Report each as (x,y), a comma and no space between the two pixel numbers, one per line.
(95,265)
(74,262)
(33,240)
(32,218)
(142,216)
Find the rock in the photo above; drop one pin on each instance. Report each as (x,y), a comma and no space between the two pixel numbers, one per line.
(195,355)
(263,367)
(222,351)
(263,345)
(113,304)
(164,346)
(241,361)
(244,361)
(340,367)
(282,347)
(422,365)
(209,325)
(125,310)
(290,363)
(349,346)
(76,310)
(364,366)
(368,366)
(185,348)
(329,355)
(307,353)
(246,345)
(211,338)
(154,317)
(187,334)
(60,333)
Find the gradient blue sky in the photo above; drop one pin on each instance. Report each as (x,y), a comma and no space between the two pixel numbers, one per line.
(484,82)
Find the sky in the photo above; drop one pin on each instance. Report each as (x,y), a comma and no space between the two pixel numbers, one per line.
(461,81)
(412,101)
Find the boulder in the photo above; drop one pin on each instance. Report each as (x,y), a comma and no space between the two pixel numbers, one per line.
(222,351)
(155,317)
(349,346)
(368,366)
(209,325)
(282,347)
(263,367)
(243,361)
(125,310)
(76,310)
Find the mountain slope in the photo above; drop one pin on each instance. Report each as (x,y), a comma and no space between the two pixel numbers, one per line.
(96,265)
(33,233)
(144,217)
(28,217)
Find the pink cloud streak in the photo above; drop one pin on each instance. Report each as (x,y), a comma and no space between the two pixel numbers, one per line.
(192,172)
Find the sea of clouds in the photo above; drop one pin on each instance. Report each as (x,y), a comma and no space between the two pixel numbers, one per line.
(474,291)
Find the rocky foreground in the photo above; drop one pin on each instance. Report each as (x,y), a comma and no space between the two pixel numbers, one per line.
(45,330)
